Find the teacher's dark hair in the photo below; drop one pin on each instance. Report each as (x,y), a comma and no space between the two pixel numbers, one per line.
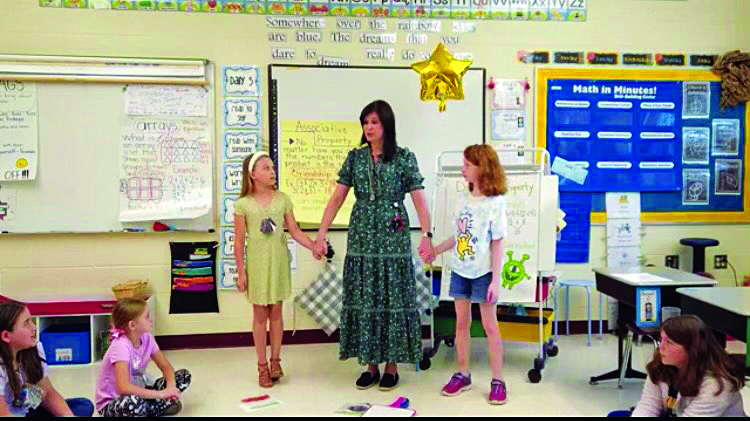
(388,121)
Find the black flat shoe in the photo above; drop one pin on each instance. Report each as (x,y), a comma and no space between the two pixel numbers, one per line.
(388,382)
(368,380)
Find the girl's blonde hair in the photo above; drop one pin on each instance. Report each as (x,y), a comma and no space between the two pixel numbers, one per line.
(492,180)
(126,310)
(247,183)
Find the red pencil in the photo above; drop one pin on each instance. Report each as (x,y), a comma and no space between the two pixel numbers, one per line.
(256,398)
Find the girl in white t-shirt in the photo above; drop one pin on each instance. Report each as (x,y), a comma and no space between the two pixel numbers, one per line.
(476,264)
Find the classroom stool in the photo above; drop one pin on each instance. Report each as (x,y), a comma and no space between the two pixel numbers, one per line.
(567,284)
(632,331)
(699,251)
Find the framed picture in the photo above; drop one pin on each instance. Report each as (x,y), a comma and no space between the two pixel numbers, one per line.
(726,136)
(728,174)
(696,99)
(695,186)
(695,145)
(648,307)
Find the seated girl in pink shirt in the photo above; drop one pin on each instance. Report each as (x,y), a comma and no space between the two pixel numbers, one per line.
(121,389)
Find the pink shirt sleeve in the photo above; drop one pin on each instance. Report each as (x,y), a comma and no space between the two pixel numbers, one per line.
(119,351)
(151,346)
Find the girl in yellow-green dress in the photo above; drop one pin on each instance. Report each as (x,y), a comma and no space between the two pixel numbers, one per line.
(264,272)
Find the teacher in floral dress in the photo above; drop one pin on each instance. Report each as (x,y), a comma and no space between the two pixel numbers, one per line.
(380,322)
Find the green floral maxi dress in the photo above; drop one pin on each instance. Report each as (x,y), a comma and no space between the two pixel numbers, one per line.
(379,317)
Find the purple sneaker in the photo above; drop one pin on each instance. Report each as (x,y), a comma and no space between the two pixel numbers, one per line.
(498,392)
(458,384)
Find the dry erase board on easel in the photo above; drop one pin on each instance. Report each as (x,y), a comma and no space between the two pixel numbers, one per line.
(87,141)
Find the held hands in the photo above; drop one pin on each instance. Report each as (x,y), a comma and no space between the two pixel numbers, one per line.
(426,251)
(320,249)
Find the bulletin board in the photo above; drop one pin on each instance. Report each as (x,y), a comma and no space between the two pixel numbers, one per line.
(627,127)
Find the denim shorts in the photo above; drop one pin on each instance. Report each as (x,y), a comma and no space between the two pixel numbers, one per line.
(470,289)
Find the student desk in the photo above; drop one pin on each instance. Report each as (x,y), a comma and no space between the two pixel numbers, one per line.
(613,284)
(724,309)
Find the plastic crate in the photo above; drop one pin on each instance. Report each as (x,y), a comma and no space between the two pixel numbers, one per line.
(67,344)
(513,328)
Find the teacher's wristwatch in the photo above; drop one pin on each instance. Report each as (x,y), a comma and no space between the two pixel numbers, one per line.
(427,234)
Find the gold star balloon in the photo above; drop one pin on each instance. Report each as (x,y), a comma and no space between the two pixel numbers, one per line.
(441,77)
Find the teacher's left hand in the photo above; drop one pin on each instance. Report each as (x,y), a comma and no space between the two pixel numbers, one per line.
(426,252)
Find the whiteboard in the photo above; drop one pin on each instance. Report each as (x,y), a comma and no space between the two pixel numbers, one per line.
(531,210)
(77,188)
(340,94)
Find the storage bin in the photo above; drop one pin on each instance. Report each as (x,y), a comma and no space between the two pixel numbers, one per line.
(512,327)
(67,344)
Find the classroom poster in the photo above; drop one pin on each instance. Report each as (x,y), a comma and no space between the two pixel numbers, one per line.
(531,10)
(239,144)
(695,186)
(623,232)
(695,145)
(508,125)
(625,133)
(165,167)
(19,142)
(227,209)
(310,156)
(696,100)
(728,175)
(509,94)
(241,138)
(520,260)
(648,307)
(621,258)
(623,205)
(193,278)
(726,136)
(228,274)
(241,81)
(7,205)
(166,101)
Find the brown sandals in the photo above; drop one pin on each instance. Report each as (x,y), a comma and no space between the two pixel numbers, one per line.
(276,372)
(264,375)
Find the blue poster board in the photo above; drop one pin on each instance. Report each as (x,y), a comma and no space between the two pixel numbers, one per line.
(625,127)
(627,134)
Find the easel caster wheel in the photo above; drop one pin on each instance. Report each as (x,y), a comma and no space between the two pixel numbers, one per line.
(535,376)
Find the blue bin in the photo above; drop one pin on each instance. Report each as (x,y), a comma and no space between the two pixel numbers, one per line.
(437,276)
(67,344)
